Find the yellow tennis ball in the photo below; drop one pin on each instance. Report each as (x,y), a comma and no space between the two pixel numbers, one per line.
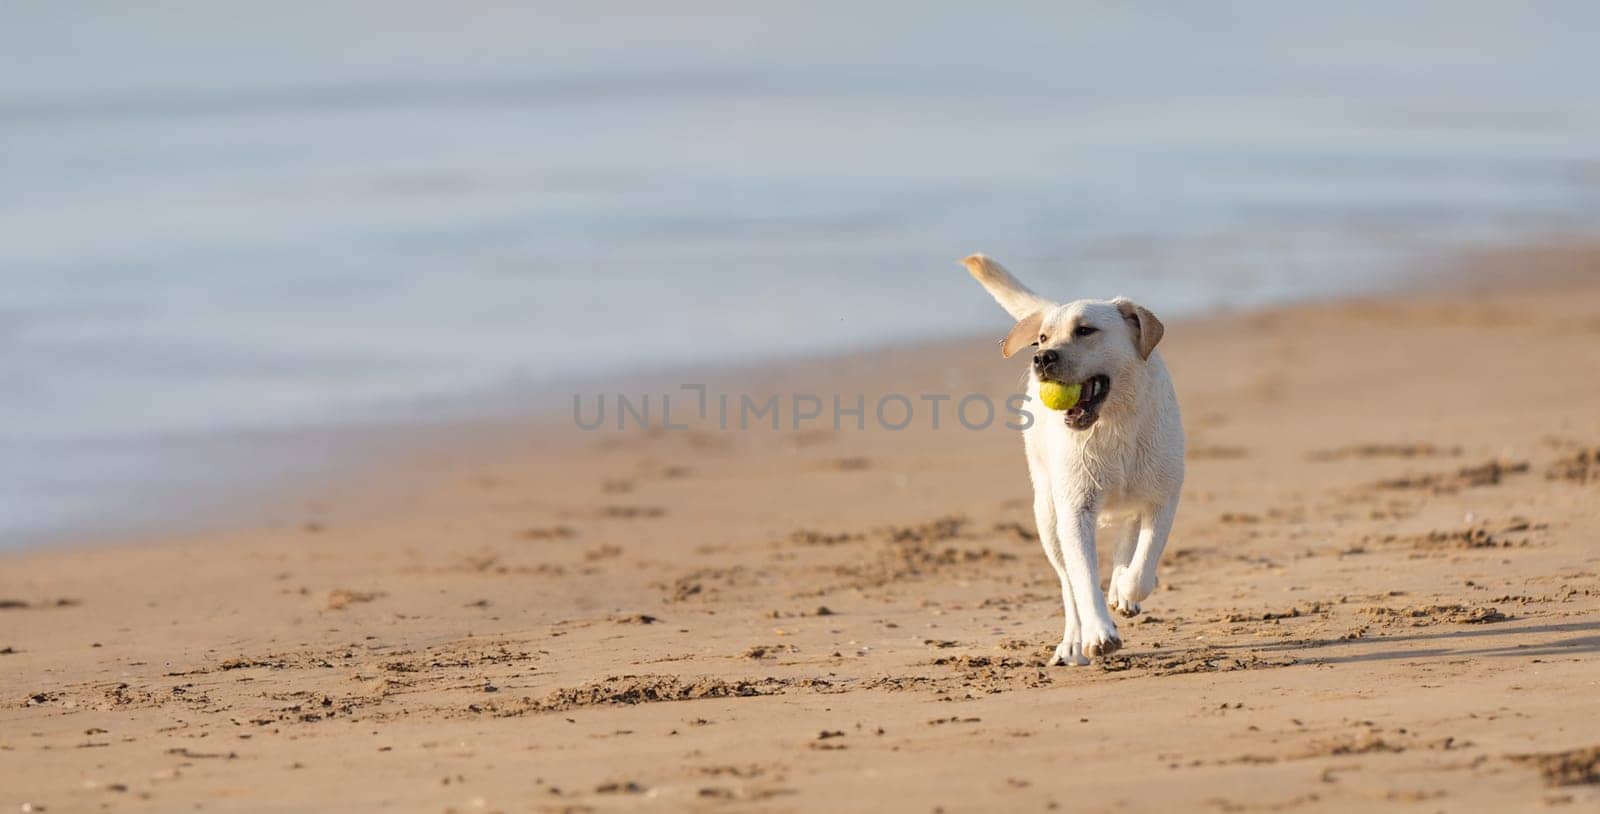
(1058,396)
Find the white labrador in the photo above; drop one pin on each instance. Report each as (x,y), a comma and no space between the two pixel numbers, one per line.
(1114,460)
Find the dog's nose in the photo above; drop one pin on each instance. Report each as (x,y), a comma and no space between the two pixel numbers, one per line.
(1044,357)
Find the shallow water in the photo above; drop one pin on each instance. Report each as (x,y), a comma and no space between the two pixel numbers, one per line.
(219,218)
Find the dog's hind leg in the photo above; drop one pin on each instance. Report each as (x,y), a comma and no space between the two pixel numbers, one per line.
(1136,583)
(1070,652)
(1127,546)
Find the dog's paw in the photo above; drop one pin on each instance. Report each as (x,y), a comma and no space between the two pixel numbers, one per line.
(1128,589)
(1068,654)
(1100,639)
(1120,595)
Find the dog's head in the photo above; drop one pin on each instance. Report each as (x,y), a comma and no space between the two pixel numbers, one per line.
(1099,344)
(1102,345)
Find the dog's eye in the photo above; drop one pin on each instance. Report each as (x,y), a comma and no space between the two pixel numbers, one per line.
(1043,339)
(1084,330)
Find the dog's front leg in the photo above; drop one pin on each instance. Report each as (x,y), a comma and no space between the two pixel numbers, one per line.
(1076,515)
(1070,651)
(1139,580)
(1119,599)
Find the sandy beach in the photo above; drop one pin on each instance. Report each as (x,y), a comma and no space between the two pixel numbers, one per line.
(1383,592)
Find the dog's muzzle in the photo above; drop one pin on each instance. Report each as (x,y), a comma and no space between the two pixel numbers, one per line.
(1044,364)
(1047,365)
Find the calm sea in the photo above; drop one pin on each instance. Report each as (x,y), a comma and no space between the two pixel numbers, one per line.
(232,218)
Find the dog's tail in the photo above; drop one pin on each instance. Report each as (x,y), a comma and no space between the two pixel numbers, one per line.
(1012,295)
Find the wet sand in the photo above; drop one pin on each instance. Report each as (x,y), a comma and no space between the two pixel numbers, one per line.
(1383,592)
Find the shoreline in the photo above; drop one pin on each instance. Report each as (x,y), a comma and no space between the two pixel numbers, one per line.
(313,457)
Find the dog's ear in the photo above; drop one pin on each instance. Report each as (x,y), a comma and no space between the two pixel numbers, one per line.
(1147,330)
(1023,334)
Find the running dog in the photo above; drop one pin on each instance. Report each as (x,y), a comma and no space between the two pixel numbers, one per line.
(1114,459)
